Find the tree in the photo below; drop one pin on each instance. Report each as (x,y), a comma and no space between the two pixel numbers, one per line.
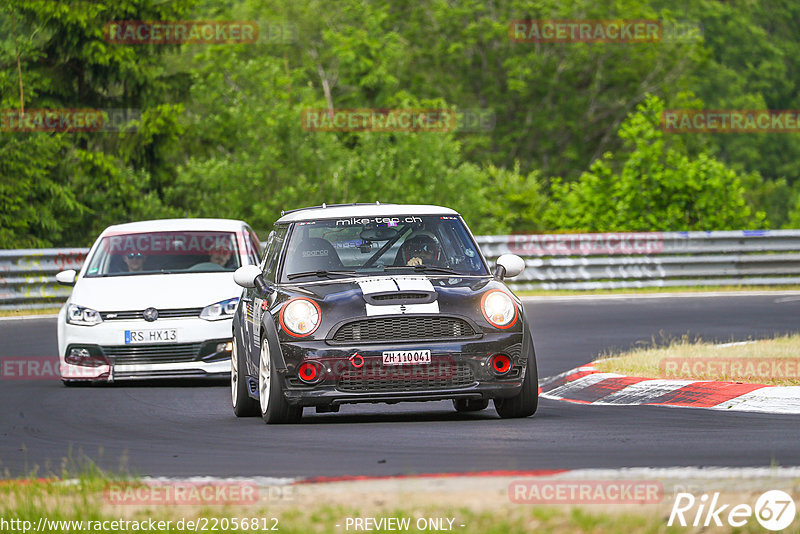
(654,186)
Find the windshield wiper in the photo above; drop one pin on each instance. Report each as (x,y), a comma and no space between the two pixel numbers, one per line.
(319,273)
(424,268)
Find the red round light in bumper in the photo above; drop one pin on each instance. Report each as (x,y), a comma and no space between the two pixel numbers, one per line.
(309,373)
(500,364)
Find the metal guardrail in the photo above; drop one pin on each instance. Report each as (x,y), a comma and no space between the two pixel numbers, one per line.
(554,261)
(27,276)
(651,259)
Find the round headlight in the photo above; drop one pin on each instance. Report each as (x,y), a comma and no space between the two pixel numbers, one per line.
(300,317)
(499,309)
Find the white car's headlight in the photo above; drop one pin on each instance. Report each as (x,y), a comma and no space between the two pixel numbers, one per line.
(300,317)
(499,309)
(83,316)
(220,310)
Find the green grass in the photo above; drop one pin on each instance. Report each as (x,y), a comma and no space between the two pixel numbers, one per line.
(79,496)
(698,360)
(83,501)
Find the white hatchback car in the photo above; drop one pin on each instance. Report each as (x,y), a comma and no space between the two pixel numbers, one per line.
(154,299)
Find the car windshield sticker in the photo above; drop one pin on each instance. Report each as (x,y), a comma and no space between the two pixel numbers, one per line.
(314,253)
(389,221)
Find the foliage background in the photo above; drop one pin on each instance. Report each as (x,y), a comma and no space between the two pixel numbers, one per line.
(576,145)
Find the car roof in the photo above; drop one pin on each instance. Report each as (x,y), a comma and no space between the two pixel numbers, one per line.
(362,210)
(167,225)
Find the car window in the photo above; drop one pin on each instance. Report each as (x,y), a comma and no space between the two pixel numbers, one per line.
(368,245)
(164,253)
(272,257)
(253,247)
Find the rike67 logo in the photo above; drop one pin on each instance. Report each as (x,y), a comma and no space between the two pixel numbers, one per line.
(774,510)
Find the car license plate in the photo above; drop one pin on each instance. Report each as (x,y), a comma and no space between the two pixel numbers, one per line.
(151,336)
(406,357)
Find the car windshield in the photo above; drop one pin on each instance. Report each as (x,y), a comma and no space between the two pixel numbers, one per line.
(164,253)
(371,245)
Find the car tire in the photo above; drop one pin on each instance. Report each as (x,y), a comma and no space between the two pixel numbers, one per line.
(526,402)
(470,405)
(274,407)
(243,404)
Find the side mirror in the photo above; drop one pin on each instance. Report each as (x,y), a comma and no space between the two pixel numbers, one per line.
(246,275)
(67,277)
(509,266)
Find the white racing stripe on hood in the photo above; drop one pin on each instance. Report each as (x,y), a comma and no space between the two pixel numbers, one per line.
(382,285)
(377,285)
(414,284)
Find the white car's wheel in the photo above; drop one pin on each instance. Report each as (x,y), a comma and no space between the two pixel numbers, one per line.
(274,407)
(243,404)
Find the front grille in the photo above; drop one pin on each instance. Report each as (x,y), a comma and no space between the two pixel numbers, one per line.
(139,314)
(409,328)
(408,378)
(149,354)
(401,296)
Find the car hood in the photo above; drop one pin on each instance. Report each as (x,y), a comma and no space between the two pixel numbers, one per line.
(161,291)
(389,283)
(452,294)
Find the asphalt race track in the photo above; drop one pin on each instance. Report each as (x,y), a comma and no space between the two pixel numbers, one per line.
(180,430)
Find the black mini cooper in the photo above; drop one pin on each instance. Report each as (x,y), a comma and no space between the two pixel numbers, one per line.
(378,303)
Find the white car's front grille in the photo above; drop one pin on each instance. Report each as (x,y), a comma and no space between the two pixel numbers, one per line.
(149,354)
(139,314)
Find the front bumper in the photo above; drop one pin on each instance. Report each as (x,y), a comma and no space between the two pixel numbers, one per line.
(194,354)
(458,369)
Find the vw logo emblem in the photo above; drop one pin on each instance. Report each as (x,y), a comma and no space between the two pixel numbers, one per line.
(150,314)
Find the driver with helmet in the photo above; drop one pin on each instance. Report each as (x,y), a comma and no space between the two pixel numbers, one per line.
(421,249)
